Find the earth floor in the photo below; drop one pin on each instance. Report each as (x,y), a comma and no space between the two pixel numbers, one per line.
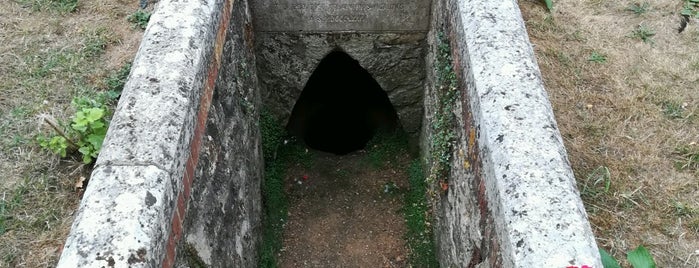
(343,214)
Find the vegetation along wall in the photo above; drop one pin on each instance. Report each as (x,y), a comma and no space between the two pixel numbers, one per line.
(178,179)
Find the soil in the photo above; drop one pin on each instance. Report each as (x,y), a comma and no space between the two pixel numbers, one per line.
(344,213)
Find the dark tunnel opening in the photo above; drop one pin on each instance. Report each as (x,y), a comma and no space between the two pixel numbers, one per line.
(341,107)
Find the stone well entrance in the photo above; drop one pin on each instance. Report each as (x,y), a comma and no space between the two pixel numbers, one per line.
(386,38)
(341,107)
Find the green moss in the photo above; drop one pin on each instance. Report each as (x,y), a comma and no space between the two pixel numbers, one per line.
(192,256)
(419,235)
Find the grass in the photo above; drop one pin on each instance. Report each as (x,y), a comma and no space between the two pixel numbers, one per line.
(278,154)
(672,109)
(628,125)
(419,236)
(53,52)
(597,58)
(60,6)
(687,158)
(639,8)
(385,148)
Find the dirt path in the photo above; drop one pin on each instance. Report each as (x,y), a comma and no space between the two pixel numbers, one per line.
(345,213)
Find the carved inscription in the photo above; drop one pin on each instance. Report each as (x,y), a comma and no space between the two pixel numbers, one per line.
(341,15)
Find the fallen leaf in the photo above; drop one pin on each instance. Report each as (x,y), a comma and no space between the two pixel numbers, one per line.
(80,183)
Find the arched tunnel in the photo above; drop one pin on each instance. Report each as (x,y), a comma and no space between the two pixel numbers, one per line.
(341,107)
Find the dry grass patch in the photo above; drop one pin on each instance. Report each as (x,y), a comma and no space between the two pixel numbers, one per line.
(51,51)
(623,83)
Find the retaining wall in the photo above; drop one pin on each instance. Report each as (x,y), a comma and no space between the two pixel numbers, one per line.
(133,210)
(185,139)
(512,200)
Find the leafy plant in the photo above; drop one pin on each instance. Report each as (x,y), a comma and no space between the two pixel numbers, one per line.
(139,18)
(597,58)
(639,258)
(607,260)
(638,8)
(86,131)
(549,4)
(444,119)
(87,128)
(644,33)
(690,8)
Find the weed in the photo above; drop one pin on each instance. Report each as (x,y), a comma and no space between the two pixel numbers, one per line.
(549,5)
(3,213)
(683,210)
(94,42)
(139,19)
(596,183)
(385,147)
(273,197)
(695,66)
(597,58)
(690,8)
(688,158)
(87,129)
(644,33)
(639,258)
(672,109)
(444,119)
(638,8)
(419,235)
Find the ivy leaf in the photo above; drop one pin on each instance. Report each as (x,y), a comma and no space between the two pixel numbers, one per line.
(640,258)
(607,260)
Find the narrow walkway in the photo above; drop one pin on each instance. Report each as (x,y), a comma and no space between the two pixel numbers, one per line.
(345,213)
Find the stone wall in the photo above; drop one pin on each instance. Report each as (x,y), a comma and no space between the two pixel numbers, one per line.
(222,228)
(395,60)
(134,207)
(512,199)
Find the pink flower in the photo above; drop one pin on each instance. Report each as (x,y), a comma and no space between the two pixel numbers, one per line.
(305,177)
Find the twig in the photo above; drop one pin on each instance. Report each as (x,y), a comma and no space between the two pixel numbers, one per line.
(61,133)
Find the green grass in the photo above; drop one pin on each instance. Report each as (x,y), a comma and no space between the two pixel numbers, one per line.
(419,235)
(597,58)
(277,156)
(672,109)
(60,6)
(687,158)
(639,8)
(596,183)
(643,33)
(385,148)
